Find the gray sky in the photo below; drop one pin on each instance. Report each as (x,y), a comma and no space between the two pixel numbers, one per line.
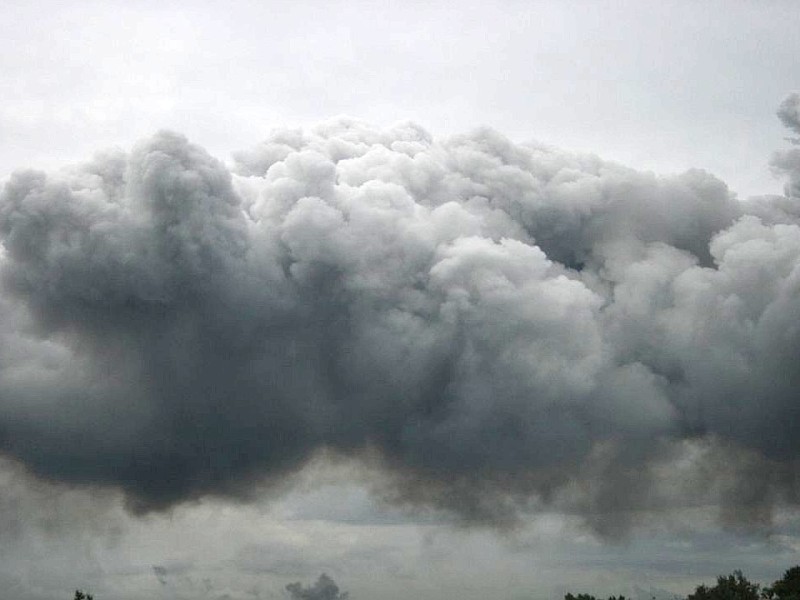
(660,86)
(656,86)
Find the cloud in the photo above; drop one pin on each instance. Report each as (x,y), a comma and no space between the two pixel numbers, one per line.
(161,574)
(787,162)
(789,112)
(495,327)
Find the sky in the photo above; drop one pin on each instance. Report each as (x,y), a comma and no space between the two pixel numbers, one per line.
(441,300)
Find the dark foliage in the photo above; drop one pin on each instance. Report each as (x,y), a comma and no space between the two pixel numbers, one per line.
(590,597)
(787,588)
(325,588)
(733,587)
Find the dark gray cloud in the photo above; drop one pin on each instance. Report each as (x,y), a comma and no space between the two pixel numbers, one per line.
(496,327)
(161,574)
(787,162)
(789,112)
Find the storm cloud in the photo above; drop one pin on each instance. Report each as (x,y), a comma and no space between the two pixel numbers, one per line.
(495,327)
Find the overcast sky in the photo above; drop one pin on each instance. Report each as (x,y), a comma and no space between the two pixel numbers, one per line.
(528,370)
(658,85)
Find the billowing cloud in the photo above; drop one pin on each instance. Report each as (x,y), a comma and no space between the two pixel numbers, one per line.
(495,326)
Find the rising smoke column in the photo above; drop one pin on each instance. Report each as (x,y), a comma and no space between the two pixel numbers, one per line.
(499,326)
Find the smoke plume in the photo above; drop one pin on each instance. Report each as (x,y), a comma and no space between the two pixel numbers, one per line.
(497,326)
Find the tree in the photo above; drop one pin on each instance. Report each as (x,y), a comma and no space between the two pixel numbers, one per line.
(79,595)
(325,588)
(787,588)
(733,587)
(590,597)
